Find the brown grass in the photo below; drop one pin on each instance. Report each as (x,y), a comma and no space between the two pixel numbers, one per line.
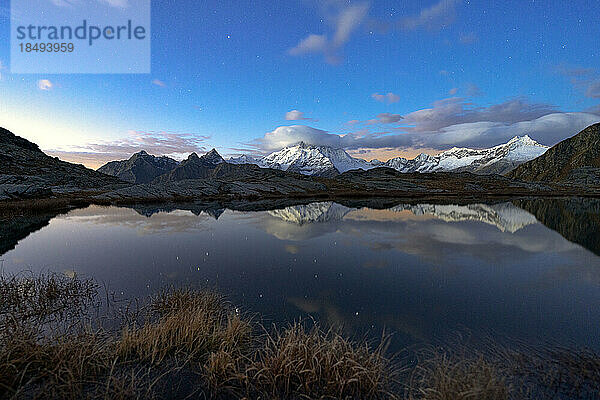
(194,344)
(185,324)
(311,363)
(440,376)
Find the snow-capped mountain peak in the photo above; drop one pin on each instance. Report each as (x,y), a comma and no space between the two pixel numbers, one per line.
(308,159)
(320,160)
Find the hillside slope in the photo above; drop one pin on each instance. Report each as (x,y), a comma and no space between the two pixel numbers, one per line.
(574,160)
(27,172)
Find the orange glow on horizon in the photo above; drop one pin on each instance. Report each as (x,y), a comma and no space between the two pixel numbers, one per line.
(387,154)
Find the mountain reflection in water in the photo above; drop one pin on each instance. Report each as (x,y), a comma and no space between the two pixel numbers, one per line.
(423,271)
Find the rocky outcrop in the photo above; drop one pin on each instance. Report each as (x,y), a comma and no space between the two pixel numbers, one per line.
(575,160)
(140,168)
(26,172)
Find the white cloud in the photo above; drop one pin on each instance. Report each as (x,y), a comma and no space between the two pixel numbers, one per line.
(450,122)
(296,115)
(549,129)
(585,79)
(289,135)
(386,118)
(456,110)
(345,21)
(452,91)
(346,17)
(311,44)
(435,17)
(175,144)
(474,90)
(112,3)
(386,98)
(593,90)
(116,3)
(45,84)
(159,83)
(63,3)
(468,38)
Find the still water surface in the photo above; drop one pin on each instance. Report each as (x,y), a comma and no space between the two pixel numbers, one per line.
(422,271)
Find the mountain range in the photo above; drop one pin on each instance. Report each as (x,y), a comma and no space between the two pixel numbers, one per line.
(26,172)
(325,161)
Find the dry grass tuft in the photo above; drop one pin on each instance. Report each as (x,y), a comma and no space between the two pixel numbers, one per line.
(55,368)
(187,324)
(304,363)
(439,376)
(317,364)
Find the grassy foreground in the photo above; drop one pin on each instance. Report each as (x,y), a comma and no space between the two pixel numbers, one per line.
(59,339)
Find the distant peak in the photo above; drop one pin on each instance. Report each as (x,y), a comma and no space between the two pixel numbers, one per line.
(302,145)
(213,157)
(525,139)
(193,156)
(423,156)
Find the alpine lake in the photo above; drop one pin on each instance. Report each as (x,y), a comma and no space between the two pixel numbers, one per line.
(525,270)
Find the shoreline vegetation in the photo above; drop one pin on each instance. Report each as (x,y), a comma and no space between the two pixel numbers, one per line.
(66,338)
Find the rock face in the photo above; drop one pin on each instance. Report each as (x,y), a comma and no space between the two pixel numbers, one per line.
(574,160)
(140,168)
(325,161)
(193,168)
(26,172)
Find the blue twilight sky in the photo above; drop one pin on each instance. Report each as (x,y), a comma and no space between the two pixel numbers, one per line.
(378,78)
